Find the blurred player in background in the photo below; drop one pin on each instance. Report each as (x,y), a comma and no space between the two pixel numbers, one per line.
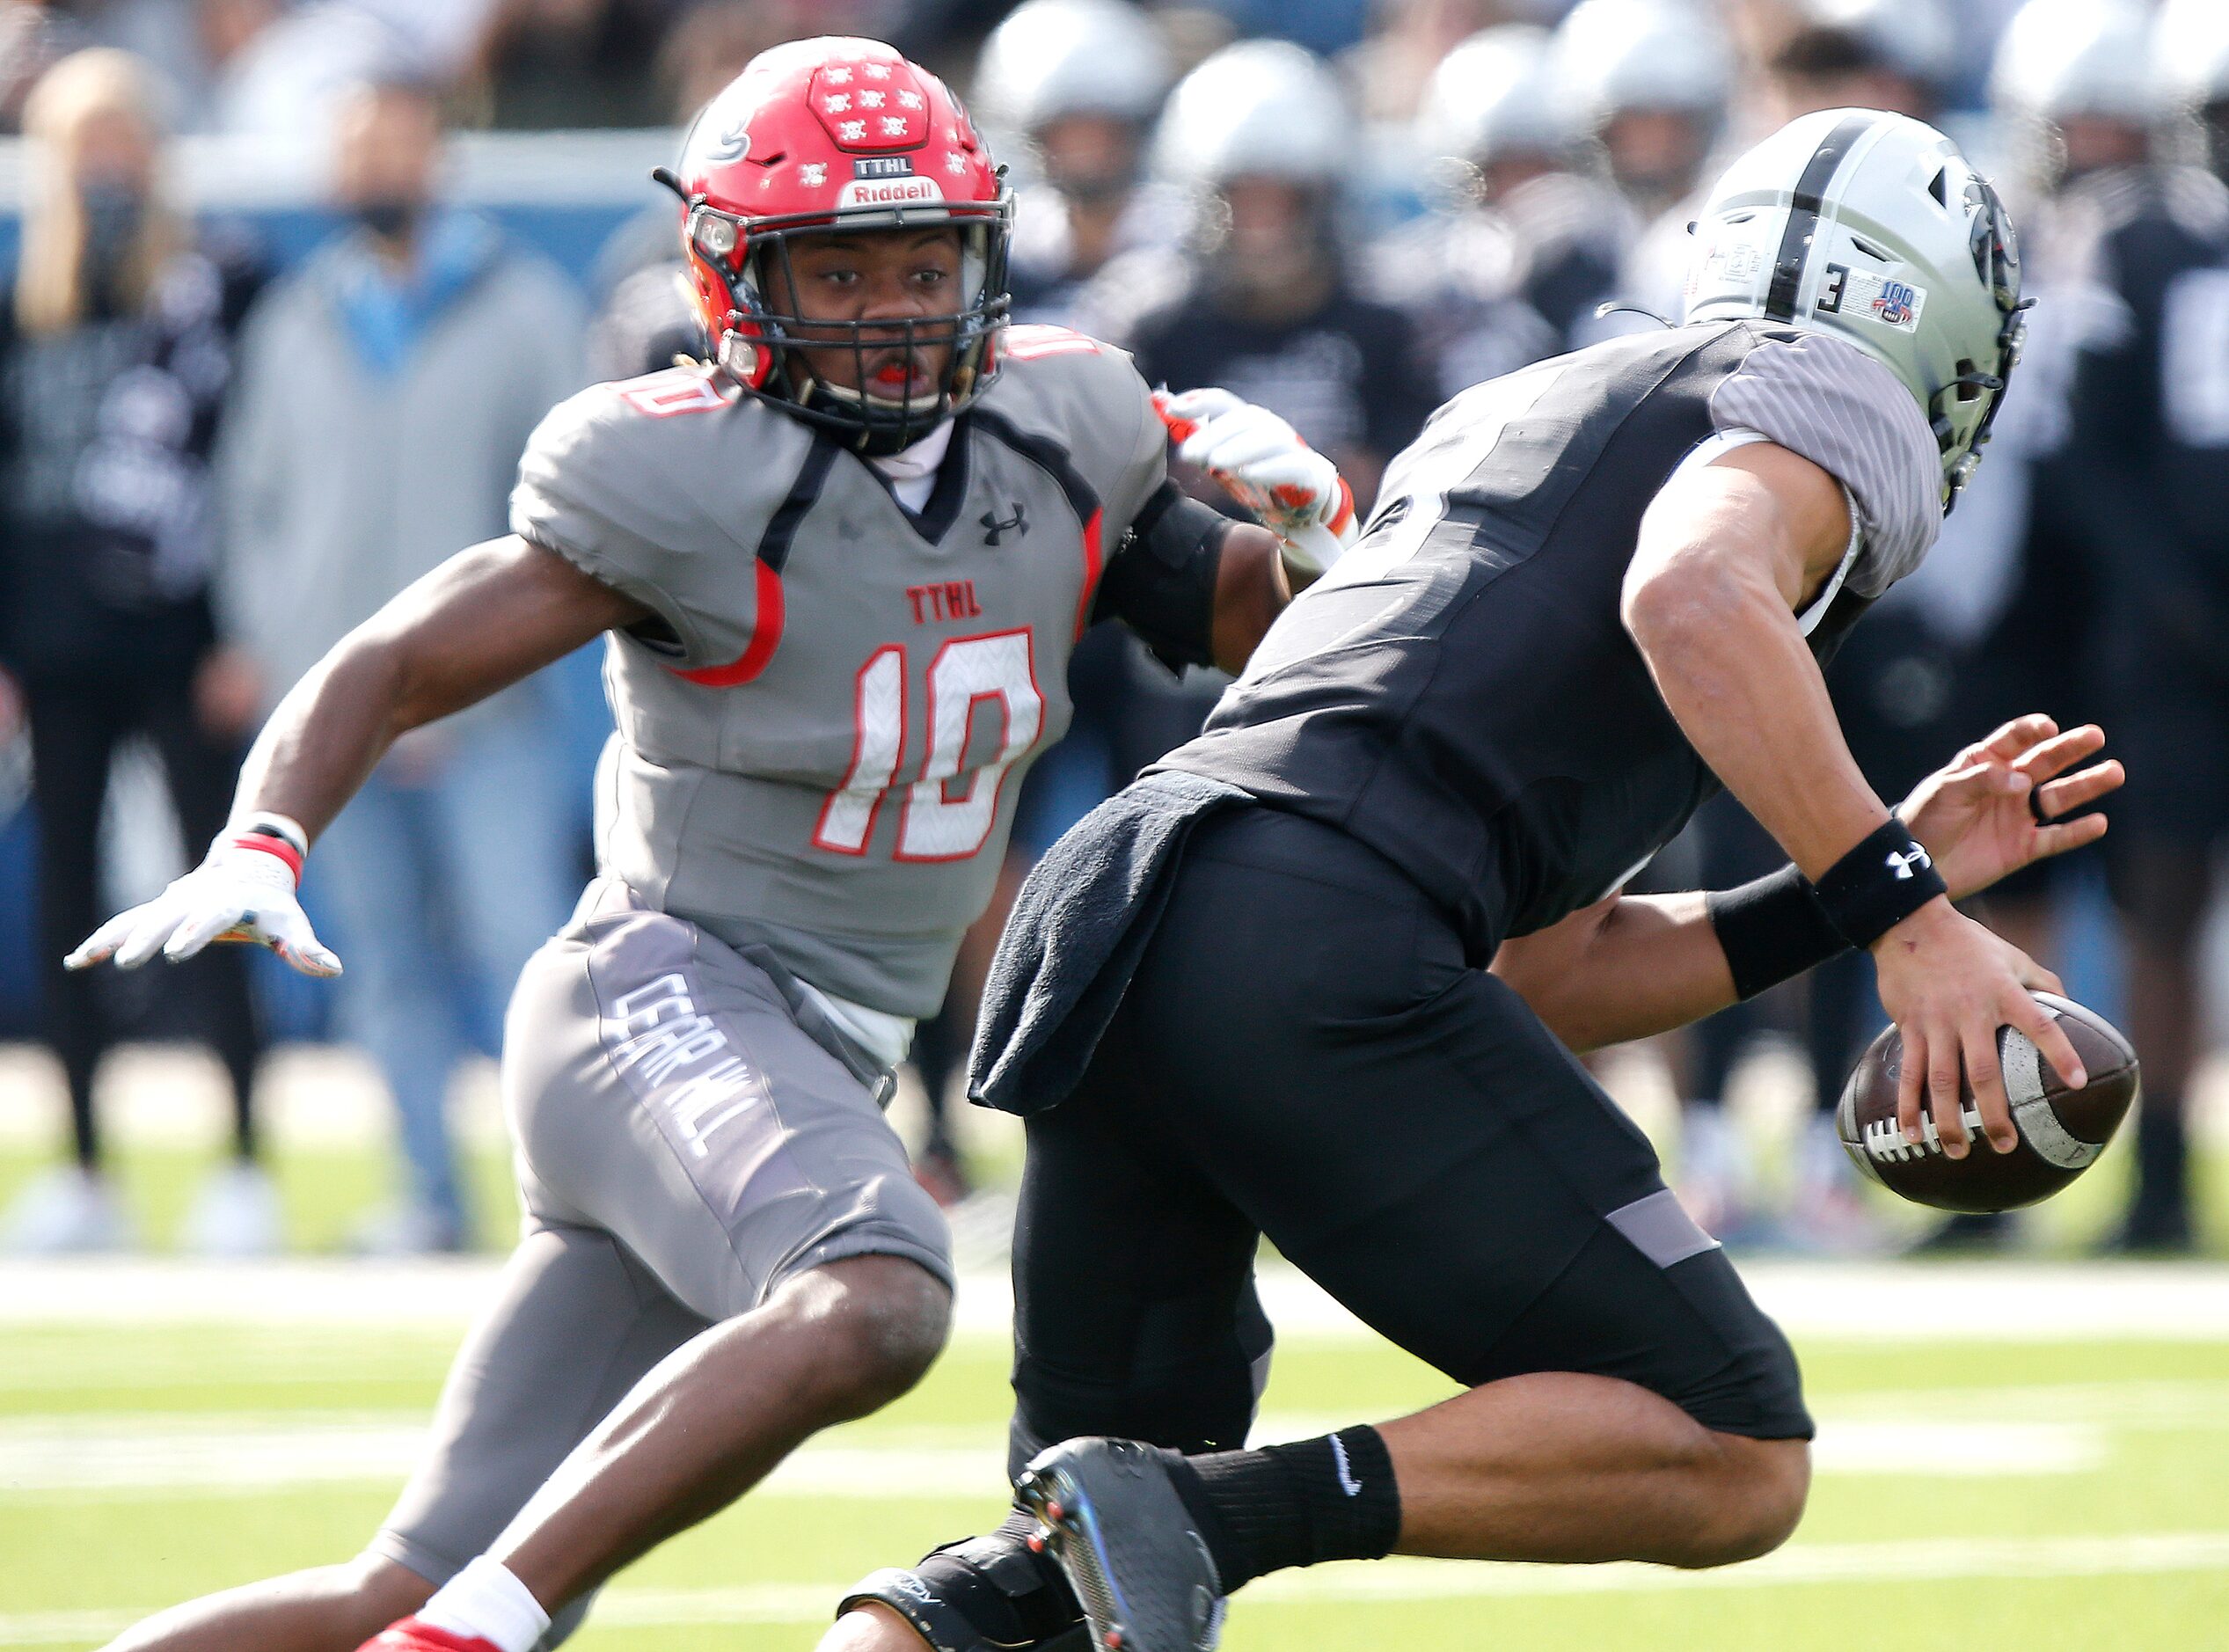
(1650,83)
(2075,91)
(638,288)
(1894,54)
(116,341)
(387,388)
(1078,83)
(840,571)
(1525,246)
(2150,419)
(1262,303)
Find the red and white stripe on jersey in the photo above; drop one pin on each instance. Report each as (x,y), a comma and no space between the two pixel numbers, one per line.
(765,637)
(677,389)
(1030,343)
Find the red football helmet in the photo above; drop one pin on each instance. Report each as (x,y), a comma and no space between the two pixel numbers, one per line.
(836,134)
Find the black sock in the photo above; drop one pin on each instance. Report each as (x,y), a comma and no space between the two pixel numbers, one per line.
(1326,1499)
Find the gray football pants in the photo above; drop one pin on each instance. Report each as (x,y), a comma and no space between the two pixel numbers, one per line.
(684,1145)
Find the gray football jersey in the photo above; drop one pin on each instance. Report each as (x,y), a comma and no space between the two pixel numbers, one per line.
(821,736)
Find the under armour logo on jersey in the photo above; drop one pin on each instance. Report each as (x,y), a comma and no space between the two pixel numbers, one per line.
(1903,864)
(995,530)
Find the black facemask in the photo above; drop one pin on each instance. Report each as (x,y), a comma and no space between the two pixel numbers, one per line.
(390,217)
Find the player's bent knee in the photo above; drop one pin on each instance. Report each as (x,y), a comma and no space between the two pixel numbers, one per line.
(876,1325)
(1765,1485)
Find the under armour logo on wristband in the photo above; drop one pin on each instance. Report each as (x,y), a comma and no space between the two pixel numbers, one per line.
(1884,879)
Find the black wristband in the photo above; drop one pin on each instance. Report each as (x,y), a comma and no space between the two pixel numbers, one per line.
(1877,885)
(1772,929)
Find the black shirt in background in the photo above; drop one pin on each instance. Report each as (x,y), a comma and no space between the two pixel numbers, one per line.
(1348,377)
(108,518)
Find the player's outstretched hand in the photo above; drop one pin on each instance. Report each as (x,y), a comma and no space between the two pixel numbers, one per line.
(1287,486)
(1996,806)
(238,893)
(1949,984)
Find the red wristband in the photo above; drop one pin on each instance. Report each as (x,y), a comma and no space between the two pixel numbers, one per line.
(269,846)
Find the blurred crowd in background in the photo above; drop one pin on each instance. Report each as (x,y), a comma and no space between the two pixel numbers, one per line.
(223,446)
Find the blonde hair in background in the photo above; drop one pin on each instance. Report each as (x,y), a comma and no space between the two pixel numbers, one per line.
(84,87)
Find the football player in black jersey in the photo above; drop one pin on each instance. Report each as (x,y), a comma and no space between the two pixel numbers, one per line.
(1321,974)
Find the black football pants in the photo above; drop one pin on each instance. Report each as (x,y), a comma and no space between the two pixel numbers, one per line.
(1305,1054)
(77,724)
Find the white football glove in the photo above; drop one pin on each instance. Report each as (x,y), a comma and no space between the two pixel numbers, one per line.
(244,891)
(1287,486)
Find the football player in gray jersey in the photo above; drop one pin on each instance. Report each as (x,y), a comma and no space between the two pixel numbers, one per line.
(840,571)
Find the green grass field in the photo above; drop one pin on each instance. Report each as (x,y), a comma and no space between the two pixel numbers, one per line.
(2021,1495)
(1983,1489)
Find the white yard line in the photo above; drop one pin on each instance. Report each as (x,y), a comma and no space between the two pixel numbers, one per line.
(130,1456)
(1858,1301)
(1923,1560)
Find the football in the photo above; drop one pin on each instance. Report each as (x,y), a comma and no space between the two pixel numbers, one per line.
(2062,1131)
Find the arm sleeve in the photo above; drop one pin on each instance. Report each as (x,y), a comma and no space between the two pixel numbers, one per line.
(1161,580)
(1850,416)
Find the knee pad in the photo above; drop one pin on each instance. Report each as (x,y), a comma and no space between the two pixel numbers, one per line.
(987,1594)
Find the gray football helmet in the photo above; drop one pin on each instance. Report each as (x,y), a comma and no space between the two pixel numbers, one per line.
(1872,227)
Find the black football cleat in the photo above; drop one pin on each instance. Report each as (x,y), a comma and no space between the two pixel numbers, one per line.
(1110,1512)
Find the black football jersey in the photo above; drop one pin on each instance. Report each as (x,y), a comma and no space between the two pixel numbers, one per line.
(1459,691)
(2150,417)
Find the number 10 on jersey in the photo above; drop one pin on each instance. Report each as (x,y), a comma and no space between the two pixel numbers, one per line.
(945,815)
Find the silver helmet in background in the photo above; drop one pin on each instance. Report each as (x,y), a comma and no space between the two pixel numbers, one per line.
(1493,98)
(1651,81)
(2076,85)
(1054,58)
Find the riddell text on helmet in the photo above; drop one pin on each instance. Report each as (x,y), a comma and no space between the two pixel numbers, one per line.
(888,192)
